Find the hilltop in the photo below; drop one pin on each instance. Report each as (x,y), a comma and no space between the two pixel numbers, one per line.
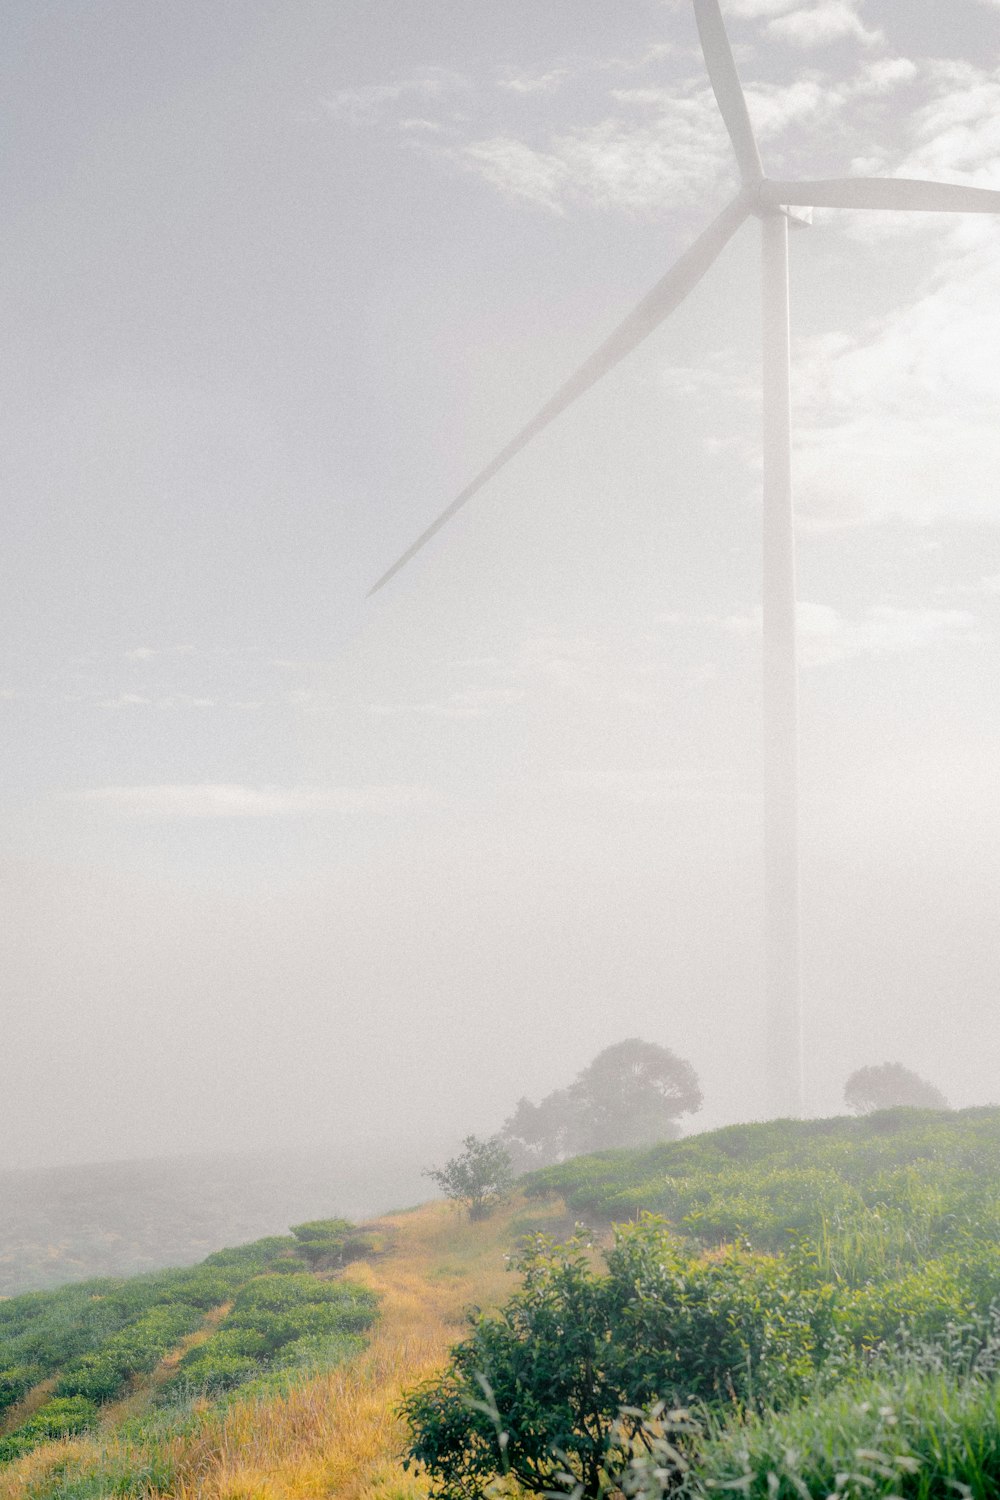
(889,1220)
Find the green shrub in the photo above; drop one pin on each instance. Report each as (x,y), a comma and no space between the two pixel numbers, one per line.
(58,1418)
(331,1242)
(549,1374)
(213,1370)
(134,1350)
(272,1317)
(252,1257)
(15,1383)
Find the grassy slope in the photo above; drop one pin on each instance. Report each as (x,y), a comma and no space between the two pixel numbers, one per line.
(333,1434)
(336,1434)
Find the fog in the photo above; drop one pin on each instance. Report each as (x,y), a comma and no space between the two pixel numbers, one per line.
(284,868)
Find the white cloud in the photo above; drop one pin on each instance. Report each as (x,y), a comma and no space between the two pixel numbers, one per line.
(901,421)
(882,73)
(957,129)
(527,83)
(126,700)
(229,800)
(652,787)
(417,123)
(885,630)
(663,148)
(475,703)
(825,636)
(816,25)
(515,168)
(986,587)
(371,98)
(753,10)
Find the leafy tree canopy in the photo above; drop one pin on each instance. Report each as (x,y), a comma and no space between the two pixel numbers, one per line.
(480,1177)
(890,1086)
(630,1095)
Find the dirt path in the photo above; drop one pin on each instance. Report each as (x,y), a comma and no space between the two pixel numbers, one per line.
(339,1435)
(336,1436)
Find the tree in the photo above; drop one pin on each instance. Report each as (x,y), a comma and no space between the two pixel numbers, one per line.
(537,1389)
(481,1177)
(538,1134)
(630,1095)
(890,1086)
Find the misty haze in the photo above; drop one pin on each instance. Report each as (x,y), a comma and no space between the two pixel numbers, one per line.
(282,867)
(501,623)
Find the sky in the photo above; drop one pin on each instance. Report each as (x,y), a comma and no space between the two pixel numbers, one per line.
(284,864)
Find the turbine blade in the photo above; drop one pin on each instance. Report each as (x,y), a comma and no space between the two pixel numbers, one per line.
(727,87)
(883,192)
(667,294)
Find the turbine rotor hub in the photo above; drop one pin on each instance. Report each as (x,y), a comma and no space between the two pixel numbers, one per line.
(765,204)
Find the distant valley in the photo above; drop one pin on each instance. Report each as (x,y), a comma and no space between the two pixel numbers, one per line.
(64,1224)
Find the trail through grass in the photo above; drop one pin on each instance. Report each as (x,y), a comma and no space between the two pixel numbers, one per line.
(335,1433)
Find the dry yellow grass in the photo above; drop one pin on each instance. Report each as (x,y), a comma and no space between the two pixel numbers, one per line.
(337,1434)
(26,1407)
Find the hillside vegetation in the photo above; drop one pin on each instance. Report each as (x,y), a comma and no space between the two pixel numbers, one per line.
(827,1291)
(318,1415)
(815,1312)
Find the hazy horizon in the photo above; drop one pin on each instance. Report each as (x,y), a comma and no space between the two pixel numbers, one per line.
(280,862)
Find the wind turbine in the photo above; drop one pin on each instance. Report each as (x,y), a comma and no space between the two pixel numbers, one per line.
(773,202)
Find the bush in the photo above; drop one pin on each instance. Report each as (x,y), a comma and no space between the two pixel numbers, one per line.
(481,1177)
(331,1242)
(134,1350)
(550,1373)
(279,1320)
(56,1419)
(15,1383)
(213,1370)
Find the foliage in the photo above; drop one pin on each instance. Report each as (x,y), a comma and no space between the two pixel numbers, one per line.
(911,1433)
(15,1382)
(872,1235)
(96,1339)
(632,1094)
(898,1185)
(59,1418)
(890,1086)
(331,1242)
(134,1350)
(573,1346)
(480,1177)
(277,1321)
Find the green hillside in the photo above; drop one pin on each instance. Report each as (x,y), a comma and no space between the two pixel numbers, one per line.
(919,1179)
(243,1316)
(787,1310)
(817,1303)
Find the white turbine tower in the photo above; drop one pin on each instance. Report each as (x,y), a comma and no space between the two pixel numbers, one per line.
(772,202)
